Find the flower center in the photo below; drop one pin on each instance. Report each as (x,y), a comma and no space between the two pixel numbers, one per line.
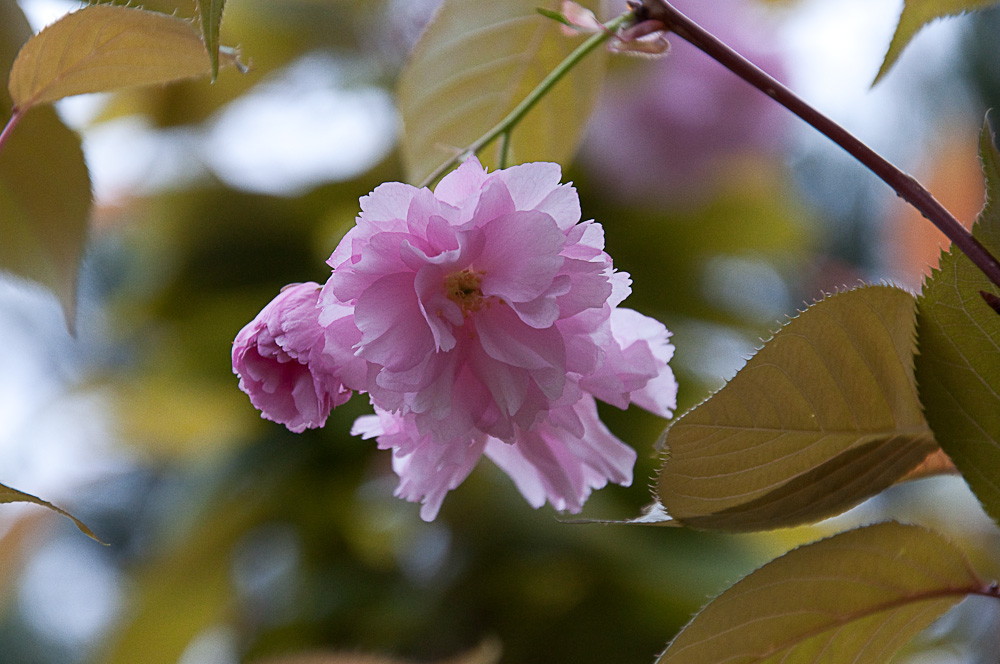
(463,288)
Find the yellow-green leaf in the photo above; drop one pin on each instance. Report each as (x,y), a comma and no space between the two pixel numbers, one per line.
(44,189)
(476,61)
(918,13)
(9,495)
(823,416)
(105,47)
(958,365)
(856,597)
(44,205)
(211,20)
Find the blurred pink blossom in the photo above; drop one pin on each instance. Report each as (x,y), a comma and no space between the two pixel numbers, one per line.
(481,318)
(662,129)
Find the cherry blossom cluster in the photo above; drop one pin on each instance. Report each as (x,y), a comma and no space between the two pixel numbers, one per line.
(481,318)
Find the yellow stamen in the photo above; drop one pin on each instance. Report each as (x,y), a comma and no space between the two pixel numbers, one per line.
(464,289)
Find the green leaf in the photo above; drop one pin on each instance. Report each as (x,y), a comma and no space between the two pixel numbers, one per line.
(475,62)
(918,13)
(822,417)
(958,365)
(105,47)
(211,19)
(855,597)
(9,495)
(44,189)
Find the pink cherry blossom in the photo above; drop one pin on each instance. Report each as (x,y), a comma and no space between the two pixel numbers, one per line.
(279,358)
(481,318)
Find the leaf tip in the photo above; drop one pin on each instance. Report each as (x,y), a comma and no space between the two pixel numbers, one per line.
(554,15)
(883,70)
(81,526)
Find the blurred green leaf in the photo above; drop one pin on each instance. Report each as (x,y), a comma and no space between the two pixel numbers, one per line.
(486,653)
(958,366)
(104,47)
(171,412)
(9,495)
(476,61)
(918,13)
(211,20)
(822,417)
(44,189)
(855,597)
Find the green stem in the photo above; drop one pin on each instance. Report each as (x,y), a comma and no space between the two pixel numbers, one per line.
(506,125)
(504,150)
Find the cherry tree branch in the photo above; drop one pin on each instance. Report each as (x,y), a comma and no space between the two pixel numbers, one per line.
(905,186)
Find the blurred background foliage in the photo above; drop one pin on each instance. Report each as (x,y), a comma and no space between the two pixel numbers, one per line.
(233,540)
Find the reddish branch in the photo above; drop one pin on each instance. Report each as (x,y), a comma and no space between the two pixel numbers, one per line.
(15,117)
(904,185)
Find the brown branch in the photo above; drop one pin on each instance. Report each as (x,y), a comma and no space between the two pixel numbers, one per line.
(904,185)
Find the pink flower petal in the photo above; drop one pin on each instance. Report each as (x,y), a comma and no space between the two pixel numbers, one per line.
(394,333)
(441,314)
(634,367)
(506,339)
(530,184)
(494,201)
(462,184)
(551,463)
(659,395)
(563,205)
(388,202)
(341,336)
(521,256)
(428,469)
